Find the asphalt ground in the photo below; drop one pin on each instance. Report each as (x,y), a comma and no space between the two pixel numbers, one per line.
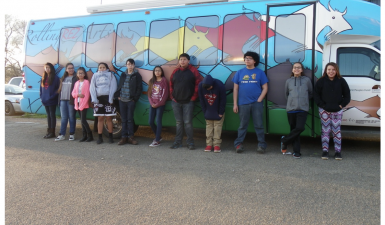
(68,182)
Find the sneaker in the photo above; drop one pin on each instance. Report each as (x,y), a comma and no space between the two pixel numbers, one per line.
(297,155)
(283,146)
(60,138)
(191,147)
(72,137)
(239,148)
(160,140)
(155,144)
(217,149)
(325,155)
(338,156)
(260,150)
(208,148)
(175,145)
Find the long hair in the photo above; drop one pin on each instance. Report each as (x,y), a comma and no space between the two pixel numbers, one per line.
(105,64)
(153,80)
(65,75)
(338,75)
(84,71)
(48,77)
(302,73)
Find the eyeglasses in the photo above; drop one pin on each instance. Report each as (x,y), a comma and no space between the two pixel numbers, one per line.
(249,59)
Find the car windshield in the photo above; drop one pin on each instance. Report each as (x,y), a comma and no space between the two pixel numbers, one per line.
(13,90)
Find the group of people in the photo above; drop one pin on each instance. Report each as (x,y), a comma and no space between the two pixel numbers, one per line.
(78,93)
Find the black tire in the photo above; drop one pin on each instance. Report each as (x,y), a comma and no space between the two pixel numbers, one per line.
(9,110)
(116,126)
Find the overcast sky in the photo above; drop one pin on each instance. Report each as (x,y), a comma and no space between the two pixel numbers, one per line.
(45,9)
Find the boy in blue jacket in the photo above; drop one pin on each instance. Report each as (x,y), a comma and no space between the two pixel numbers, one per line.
(212,96)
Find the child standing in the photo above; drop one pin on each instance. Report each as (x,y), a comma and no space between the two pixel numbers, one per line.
(49,87)
(102,89)
(212,95)
(157,95)
(81,95)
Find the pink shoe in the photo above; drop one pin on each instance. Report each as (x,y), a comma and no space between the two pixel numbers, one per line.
(217,149)
(208,148)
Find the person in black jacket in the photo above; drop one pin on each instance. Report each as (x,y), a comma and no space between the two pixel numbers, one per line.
(331,94)
(128,92)
(67,110)
(212,96)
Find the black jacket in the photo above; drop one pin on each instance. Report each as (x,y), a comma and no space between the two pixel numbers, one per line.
(135,85)
(330,94)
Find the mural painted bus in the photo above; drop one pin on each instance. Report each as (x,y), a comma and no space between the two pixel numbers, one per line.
(216,35)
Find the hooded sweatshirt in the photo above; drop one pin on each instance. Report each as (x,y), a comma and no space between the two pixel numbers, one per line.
(213,101)
(159,94)
(102,83)
(298,91)
(49,93)
(330,94)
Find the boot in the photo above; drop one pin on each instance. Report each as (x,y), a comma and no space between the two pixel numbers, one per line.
(123,141)
(90,137)
(48,130)
(84,138)
(100,140)
(52,133)
(110,137)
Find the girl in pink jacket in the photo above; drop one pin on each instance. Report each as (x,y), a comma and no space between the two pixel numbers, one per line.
(81,94)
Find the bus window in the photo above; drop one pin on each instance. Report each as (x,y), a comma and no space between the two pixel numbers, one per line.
(129,36)
(359,62)
(201,40)
(164,41)
(100,42)
(290,38)
(241,33)
(70,46)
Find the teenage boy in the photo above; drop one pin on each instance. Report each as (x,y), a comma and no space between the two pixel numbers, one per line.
(250,88)
(184,83)
(212,95)
(128,93)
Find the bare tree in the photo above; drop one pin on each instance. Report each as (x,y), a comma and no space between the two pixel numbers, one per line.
(14,36)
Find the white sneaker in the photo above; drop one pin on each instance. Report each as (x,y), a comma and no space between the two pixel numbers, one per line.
(155,144)
(60,138)
(72,137)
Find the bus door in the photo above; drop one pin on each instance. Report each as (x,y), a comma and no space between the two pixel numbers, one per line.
(292,42)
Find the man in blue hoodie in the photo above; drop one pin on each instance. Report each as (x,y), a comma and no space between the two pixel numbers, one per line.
(212,96)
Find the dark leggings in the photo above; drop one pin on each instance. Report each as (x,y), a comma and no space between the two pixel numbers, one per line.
(83,118)
(51,116)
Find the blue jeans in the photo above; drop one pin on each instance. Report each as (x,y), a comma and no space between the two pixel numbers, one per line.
(183,115)
(158,113)
(51,117)
(67,111)
(256,111)
(127,114)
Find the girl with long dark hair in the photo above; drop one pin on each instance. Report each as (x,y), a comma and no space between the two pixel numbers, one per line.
(102,88)
(67,109)
(49,87)
(81,95)
(332,94)
(157,95)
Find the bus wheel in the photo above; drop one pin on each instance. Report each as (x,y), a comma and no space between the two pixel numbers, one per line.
(116,126)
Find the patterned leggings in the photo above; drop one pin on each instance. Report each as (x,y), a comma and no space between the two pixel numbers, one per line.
(331,121)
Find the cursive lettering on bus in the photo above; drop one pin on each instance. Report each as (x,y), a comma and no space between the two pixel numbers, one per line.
(70,33)
(46,34)
(99,31)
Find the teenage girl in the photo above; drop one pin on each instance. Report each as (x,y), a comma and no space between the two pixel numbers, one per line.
(157,95)
(67,110)
(81,95)
(49,87)
(298,91)
(102,89)
(332,94)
